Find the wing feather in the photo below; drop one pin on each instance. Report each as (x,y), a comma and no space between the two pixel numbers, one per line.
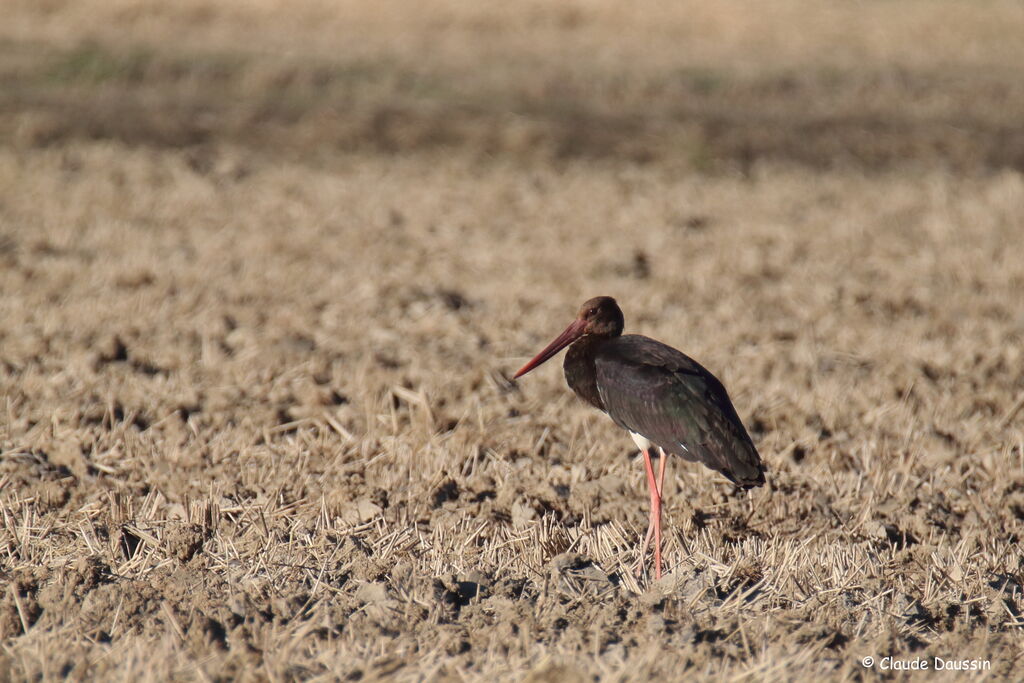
(661,393)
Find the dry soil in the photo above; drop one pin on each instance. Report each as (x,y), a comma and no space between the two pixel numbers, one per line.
(266,269)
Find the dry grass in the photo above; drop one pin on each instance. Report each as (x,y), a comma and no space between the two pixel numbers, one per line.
(256,422)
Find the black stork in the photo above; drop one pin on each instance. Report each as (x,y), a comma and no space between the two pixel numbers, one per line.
(661,396)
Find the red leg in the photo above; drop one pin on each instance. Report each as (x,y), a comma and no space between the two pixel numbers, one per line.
(652,483)
(638,569)
(661,473)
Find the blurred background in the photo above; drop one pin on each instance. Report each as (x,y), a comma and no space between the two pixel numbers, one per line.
(266,268)
(709,87)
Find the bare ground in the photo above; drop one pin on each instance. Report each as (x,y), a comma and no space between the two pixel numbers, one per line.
(265,273)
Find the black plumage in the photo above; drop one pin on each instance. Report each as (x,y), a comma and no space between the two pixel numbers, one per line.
(664,395)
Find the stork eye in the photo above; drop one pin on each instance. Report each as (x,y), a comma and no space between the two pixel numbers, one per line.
(592,312)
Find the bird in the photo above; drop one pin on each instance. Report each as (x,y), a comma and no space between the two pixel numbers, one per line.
(661,396)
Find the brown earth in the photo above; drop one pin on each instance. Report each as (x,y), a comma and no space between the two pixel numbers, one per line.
(266,269)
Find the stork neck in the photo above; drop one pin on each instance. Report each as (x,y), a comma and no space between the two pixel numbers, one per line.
(581,371)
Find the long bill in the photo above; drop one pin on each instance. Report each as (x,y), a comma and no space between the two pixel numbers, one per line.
(571,334)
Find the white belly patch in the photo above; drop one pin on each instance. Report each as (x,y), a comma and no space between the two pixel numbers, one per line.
(642,442)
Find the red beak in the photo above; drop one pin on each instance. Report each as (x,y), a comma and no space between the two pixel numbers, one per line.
(571,334)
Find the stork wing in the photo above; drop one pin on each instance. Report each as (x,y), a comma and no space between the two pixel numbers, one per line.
(654,390)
